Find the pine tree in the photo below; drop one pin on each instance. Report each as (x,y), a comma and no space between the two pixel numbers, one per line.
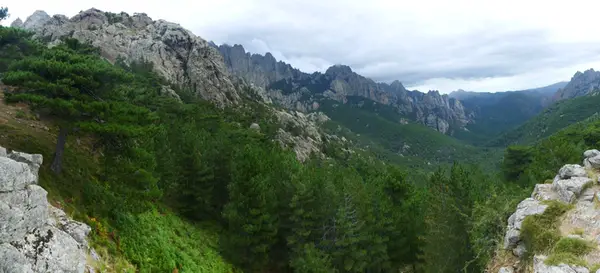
(3,13)
(76,88)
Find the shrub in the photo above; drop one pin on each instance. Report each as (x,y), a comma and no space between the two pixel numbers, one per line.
(540,232)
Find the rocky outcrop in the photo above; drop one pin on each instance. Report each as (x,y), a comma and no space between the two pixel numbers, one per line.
(301,133)
(572,185)
(592,159)
(526,208)
(35,236)
(177,54)
(581,84)
(258,69)
(18,23)
(300,91)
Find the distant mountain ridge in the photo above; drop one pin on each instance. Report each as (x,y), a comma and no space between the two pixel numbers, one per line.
(301,91)
(495,113)
(548,90)
(581,84)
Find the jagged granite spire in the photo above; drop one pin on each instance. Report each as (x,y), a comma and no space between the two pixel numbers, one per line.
(18,23)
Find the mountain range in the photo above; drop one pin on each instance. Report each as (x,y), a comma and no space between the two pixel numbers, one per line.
(273,169)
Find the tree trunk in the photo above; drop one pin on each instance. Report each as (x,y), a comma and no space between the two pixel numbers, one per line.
(60,149)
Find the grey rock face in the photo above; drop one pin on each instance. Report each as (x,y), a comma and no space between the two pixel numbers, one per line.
(13,261)
(301,132)
(592,159)
(36,20)
(296,90)
(527,207)
(506,270)
(591,153)
(18,23)
(569,189)
(34,236)
(544,192)
(177,54)
(571,170)
(581,84)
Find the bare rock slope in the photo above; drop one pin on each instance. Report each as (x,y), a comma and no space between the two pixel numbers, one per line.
(35,236)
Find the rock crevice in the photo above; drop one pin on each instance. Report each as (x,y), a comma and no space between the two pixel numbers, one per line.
(34,235)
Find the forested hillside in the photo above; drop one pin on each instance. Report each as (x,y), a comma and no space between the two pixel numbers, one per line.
(141,168)
(554,118)
(175,178)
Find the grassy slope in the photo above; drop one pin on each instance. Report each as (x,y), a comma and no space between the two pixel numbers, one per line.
(376,127)
(551,120)
(153,241)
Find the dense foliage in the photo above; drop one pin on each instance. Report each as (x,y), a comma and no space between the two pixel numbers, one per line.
(554,118)
(378,128)
(495,113)
(182,185)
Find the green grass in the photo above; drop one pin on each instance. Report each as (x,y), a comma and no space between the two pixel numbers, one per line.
(152,241)
(540,232)
(161,241)
(569,251)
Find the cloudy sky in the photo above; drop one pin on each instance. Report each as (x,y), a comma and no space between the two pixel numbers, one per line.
(478,45)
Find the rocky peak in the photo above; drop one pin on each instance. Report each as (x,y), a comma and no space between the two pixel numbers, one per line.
(581,84)
(396,87)
(300,91)
(339,70)
(177,54)
(18,23)
(261,71)
(36,20)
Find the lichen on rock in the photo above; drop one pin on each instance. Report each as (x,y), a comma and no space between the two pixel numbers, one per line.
(34,235)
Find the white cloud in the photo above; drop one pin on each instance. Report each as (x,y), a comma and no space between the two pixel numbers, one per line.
(479,45)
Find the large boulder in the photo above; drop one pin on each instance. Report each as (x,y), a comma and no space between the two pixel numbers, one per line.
(544,192)
(35,236)
(569,189)
(571,170)
(592,159)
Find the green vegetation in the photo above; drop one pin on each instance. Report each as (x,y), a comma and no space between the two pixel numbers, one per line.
(183,186)
(569,251)
(496,113)
(540,232)
(379,129)
(3,13)
(554,118)
(187,186)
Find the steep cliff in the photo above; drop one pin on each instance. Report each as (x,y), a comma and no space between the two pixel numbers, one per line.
(302,91)
(581,84)
(34,235)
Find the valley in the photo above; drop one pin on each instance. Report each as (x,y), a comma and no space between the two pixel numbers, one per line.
(181,155)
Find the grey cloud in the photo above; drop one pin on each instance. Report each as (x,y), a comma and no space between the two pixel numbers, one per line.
(305,33)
